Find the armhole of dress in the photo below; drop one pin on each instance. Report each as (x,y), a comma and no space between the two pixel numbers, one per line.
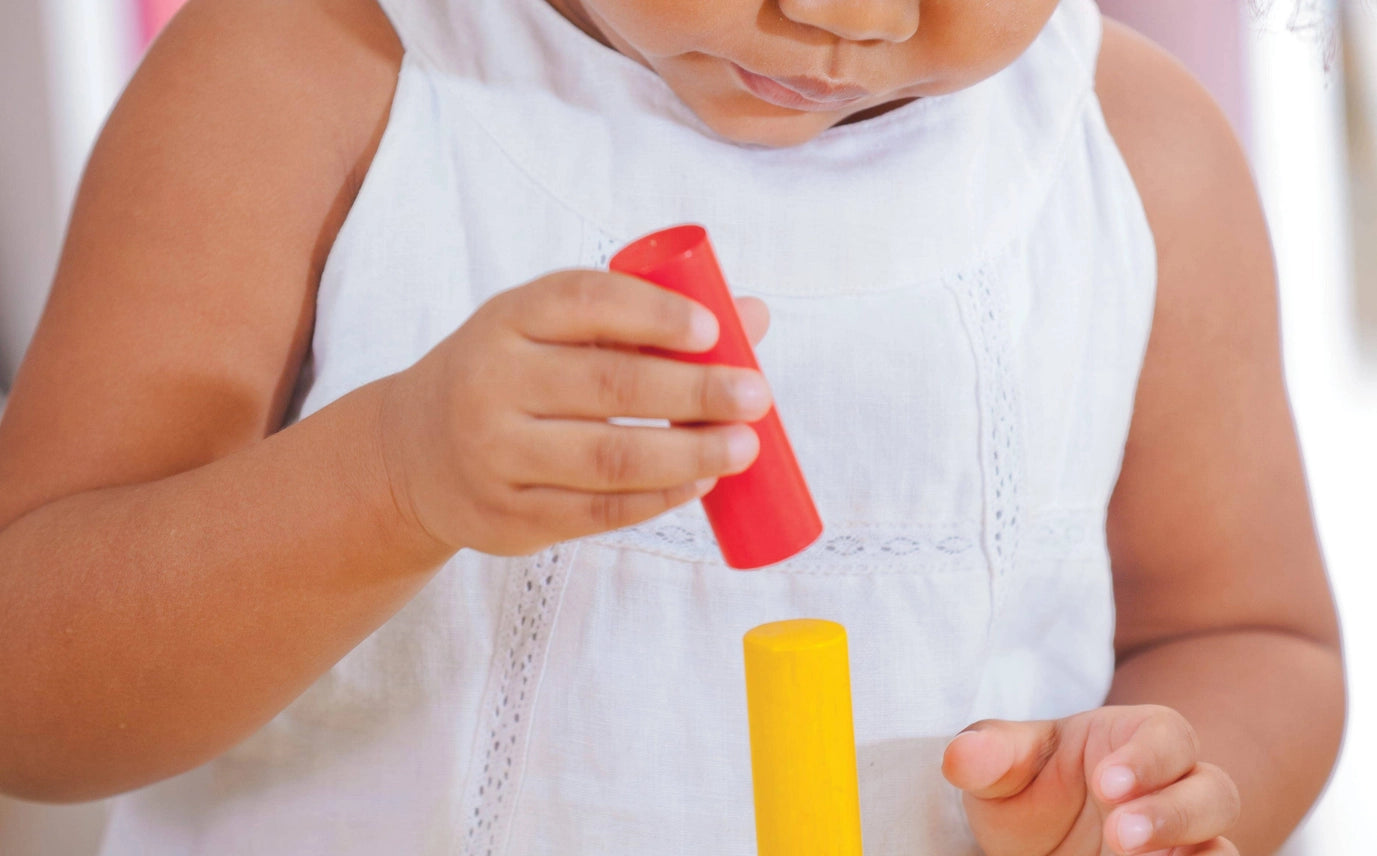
(1084,33)
(402,15)
(1094,38)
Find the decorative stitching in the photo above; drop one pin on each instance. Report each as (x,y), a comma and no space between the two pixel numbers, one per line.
(523,641)
(684,535)
(867,548)
(604,249)
(1001,439)
(1063,534)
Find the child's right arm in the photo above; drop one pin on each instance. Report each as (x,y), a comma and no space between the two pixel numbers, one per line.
(172,572)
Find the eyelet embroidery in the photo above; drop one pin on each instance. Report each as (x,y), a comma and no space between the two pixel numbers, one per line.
(510,697)
(982,306)
(845,548)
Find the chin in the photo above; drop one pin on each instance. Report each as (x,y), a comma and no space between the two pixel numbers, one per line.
(776,132)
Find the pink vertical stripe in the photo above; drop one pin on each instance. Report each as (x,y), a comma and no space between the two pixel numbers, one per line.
(153,14)
(1206,35)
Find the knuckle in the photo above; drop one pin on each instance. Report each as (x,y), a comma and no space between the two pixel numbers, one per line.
(614,460)
(576,290)
(513,307)
(706,383)
(1231,799)
(712,457)
(607,510)
(618,384)
(504,303)
(1161,712)
(1173,821)
(1188,733)
(1176,725)
(1047,744)
(586,290)
(673,314)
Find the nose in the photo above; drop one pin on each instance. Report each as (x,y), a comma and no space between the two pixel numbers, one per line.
(857,20)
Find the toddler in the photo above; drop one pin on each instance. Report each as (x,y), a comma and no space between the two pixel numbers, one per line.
(322,533)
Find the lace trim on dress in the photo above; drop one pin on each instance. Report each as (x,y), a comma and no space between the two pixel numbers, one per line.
(987,319)
(500,748)
(862,548)
(847,548)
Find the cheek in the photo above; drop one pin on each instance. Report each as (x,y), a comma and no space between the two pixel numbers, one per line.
(661,28)
(976,39)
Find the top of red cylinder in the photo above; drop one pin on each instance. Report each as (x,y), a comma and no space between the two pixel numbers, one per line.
(652,251)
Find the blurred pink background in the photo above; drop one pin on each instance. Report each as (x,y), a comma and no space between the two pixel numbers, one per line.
(1206,35)
(153,14)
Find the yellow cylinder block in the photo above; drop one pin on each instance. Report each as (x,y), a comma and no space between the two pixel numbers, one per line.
(803,745)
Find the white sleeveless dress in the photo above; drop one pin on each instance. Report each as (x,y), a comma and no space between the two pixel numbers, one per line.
(961,293)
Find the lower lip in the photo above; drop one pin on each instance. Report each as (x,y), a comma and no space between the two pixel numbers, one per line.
(767,90)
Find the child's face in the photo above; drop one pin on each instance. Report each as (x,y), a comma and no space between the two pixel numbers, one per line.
(735,62)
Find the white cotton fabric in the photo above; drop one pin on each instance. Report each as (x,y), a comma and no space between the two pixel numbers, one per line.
(961,293)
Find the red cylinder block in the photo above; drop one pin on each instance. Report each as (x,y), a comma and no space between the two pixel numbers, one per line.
(764,514)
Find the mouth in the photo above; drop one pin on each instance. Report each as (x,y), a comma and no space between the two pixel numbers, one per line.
(799,93)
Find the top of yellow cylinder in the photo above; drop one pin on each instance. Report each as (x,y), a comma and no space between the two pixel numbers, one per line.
(798,634)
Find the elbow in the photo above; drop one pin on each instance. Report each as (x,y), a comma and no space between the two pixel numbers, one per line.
(62,772)
(41,787)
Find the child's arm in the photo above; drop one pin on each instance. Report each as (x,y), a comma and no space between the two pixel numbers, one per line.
(1224,609)
(169,579)
(1225,617)
(156,604)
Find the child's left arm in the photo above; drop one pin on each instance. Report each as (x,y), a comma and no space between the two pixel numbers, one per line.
(1229,687)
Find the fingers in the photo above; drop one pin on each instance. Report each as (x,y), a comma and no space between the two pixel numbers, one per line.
(597,306)
(1125,780)
(582,514)
(994,759)
(521,393)
(1217,847)
(1161,748)
(1019,798)
(599,383)
(1198,808)
(581,306)
(596,456)
(755,317)
(1164,798)
(1160,796)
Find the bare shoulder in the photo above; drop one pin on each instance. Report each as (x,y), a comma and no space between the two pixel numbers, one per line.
(1210,524)
(183,301)
(1174,137)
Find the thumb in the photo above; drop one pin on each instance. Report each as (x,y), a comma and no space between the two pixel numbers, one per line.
(996,759)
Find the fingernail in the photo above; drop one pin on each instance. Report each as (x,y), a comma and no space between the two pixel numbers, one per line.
(750,392)
(964,737)
(702,486)
(1134,831)
(742,445)
(702,329)
(1116,782)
